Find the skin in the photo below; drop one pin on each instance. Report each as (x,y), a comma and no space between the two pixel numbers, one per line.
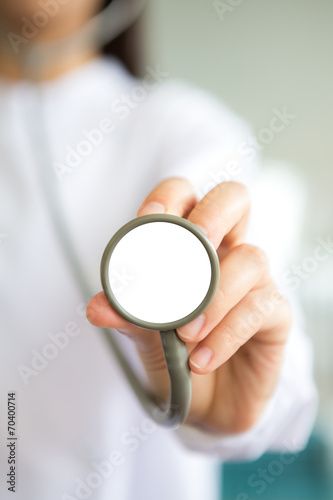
(71,17)
(244,330)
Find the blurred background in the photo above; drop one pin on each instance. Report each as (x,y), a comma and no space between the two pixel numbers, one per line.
(258,56)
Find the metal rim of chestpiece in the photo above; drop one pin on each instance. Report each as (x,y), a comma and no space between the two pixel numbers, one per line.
(175,352)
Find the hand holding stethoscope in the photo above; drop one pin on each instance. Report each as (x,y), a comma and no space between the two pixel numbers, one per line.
(234,337)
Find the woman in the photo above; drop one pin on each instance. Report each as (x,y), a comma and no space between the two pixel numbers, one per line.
(119,147)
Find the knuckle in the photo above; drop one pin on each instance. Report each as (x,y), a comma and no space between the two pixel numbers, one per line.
(253,319)
(229,336)
(251,301)
(242,188)
(243,191)
(255,254)
(219,298)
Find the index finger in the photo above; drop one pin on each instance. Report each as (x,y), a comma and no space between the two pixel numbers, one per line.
(223,214)
(174,196)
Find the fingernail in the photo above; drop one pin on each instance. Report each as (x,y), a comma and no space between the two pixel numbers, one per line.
(192,329)
(152,208)
(201,357)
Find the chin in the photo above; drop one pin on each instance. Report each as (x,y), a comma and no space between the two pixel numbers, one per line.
(13,11)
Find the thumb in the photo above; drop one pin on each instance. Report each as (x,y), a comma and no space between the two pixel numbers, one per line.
(100,313)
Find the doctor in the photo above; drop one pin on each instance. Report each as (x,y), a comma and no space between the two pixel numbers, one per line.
(82,432)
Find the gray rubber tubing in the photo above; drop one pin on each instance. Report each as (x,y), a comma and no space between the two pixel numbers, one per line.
(176,357)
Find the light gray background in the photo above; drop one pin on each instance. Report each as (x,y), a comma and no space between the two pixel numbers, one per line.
(264,54)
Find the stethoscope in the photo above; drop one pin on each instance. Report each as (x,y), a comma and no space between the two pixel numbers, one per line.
(171,267)
(171,272)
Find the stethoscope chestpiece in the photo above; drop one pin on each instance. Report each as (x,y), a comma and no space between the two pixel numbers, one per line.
(160,272)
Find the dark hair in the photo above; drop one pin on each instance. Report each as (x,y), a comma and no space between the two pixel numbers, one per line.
(127,46)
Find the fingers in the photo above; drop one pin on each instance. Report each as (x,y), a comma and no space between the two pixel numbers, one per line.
(244,268)
(173,196)
(100,313)
(223,212)
(265,312)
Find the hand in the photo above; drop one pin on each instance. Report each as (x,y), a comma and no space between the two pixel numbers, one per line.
(236,346)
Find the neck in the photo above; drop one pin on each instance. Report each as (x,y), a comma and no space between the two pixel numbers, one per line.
(19,68)
(28,58)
